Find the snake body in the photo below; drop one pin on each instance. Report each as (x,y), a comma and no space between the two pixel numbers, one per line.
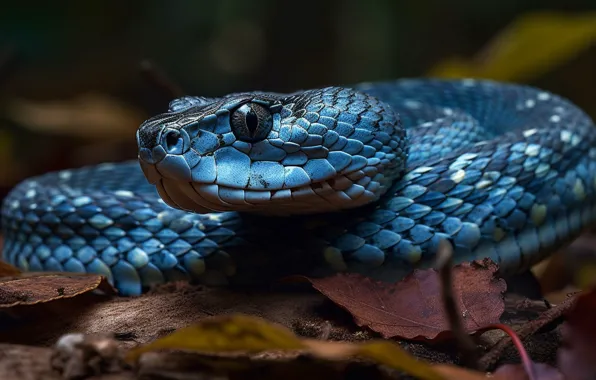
(367,179)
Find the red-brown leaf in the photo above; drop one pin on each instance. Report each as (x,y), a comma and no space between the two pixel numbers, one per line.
(413,308)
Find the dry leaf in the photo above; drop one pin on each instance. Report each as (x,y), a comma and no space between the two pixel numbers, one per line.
(88,116)
(413,308)
(247,334)
(8,270)
(35,288)
(227,334)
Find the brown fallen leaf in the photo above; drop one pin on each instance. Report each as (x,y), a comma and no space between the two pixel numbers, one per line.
(35,288)
(576,358)
(243,335)
(412,308)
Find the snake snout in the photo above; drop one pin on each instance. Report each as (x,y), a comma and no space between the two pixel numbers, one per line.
(156,140)
(175,141)
(161,150)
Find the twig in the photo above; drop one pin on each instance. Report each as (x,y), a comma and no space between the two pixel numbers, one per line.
(159,79)
(465,344)
(491,357)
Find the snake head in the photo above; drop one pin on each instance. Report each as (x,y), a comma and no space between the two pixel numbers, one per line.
(309,152)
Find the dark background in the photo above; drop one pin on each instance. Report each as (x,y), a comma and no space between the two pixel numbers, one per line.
(71,90)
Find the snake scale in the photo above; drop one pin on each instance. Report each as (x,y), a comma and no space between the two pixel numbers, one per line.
(369,179)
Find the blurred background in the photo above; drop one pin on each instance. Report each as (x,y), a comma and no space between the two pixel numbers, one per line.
(75,80)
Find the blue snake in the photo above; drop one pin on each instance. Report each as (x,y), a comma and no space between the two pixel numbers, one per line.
(370,179)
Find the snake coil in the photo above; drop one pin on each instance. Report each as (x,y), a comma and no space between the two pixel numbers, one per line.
(368,179)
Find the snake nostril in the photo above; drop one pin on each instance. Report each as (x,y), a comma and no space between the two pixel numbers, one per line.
(173,141)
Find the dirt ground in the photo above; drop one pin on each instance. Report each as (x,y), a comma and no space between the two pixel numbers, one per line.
(29,332)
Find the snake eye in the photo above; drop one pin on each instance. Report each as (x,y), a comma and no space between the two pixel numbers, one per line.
(251,122)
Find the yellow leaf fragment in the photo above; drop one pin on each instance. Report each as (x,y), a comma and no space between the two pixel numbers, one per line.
(226,334)
(528,48)
(251,335)
(381,352)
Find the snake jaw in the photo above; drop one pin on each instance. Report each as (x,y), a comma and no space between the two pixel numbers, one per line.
(150,171)
(206,198)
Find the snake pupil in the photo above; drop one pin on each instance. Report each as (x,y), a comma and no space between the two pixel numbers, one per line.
(252,121)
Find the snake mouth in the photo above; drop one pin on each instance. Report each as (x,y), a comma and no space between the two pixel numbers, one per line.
(205,198)
(202,193)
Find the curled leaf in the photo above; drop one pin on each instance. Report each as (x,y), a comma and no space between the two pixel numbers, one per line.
(35,288)
(8,270)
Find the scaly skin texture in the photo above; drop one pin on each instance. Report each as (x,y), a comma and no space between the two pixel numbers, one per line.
(367,179)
